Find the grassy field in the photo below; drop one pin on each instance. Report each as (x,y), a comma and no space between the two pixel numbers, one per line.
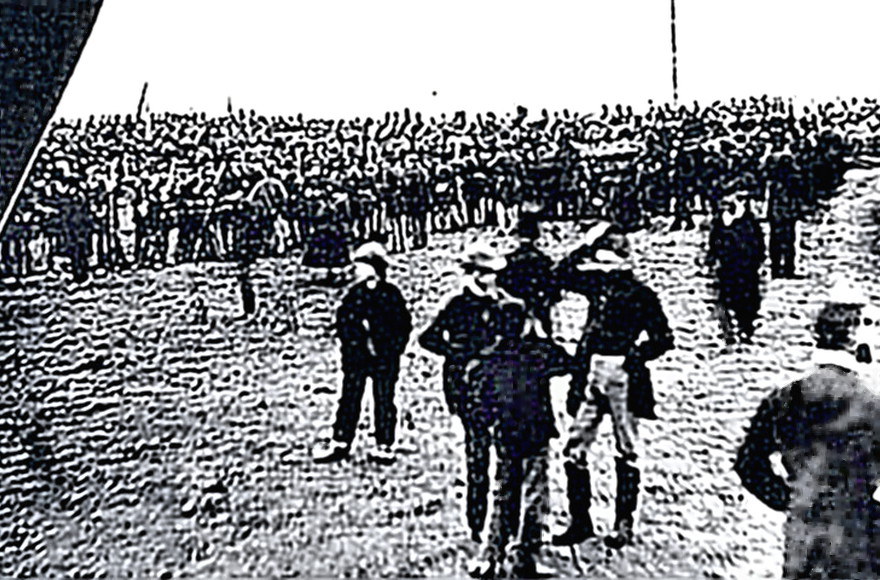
(148,431)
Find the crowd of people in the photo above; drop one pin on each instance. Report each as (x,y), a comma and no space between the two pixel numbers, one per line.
(155,189)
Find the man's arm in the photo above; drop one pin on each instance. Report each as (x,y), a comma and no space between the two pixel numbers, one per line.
(713,245)
(753,458)
(656,338)
(436,338)
(401,317)
(557,360)
(349,322)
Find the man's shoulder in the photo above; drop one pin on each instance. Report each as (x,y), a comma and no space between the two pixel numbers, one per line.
(830,382)
(464,298)
(387,288)
(358,290)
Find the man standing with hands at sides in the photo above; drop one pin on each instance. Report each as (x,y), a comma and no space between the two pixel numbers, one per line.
(826,427)
(736,252)
(626,328)
(373,325)
(467,325)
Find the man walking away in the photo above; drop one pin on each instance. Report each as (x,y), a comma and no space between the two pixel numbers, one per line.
(515,379)
(826,427)
(373,325)
(469,323)
(736,252)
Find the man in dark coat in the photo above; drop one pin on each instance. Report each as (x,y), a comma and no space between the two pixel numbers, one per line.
(826,427)
(626,329)
(514,378)
(785,194)
(529,272)
(736,252)
(469,323)
(373,325)
(78,219)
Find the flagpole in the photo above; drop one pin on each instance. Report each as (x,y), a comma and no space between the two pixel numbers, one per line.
(142,101)
(674,55)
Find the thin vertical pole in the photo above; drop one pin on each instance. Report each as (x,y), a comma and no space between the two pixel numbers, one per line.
(674,56)
(142,101)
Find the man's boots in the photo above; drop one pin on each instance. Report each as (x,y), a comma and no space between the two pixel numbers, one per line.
(628,479)
(579,499)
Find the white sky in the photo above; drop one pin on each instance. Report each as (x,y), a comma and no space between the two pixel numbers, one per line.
(355,57)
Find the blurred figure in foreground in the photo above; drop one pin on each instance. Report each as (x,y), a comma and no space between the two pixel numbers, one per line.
(373,325)
(826,427)
(514,377)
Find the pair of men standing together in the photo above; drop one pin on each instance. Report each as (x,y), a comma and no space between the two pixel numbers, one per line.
(494,338)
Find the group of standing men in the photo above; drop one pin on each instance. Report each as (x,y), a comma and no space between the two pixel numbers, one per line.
(495,339)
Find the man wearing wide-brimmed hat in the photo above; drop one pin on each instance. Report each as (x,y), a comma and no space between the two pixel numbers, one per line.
(373,325)
(626,328)
(826,428)
(469,323)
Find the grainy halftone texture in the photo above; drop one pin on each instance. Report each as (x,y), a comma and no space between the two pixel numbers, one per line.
(147,431)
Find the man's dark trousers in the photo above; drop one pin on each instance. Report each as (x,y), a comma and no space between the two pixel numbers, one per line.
(477,444)
(383,373)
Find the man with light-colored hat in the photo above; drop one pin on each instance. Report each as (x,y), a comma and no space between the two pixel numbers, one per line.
(373,325)
(626,329)
(826,428)
(470,322)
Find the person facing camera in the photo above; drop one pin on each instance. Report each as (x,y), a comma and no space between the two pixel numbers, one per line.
(373,325)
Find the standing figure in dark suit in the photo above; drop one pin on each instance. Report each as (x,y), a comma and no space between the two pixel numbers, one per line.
(736,252)
(468,324)
(785,194)
(529,272)
(514,377)
(79,223)
(373,325)
(826,427)
(626,329)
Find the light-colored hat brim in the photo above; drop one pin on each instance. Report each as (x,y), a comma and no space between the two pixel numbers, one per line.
(487,264)
(370,250)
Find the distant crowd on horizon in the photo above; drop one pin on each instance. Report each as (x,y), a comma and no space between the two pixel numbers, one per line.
(115,192)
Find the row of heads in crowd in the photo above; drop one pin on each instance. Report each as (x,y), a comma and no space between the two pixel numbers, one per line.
(763,104)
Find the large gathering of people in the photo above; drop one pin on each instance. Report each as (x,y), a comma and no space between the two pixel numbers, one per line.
(153,189)
(109,194)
